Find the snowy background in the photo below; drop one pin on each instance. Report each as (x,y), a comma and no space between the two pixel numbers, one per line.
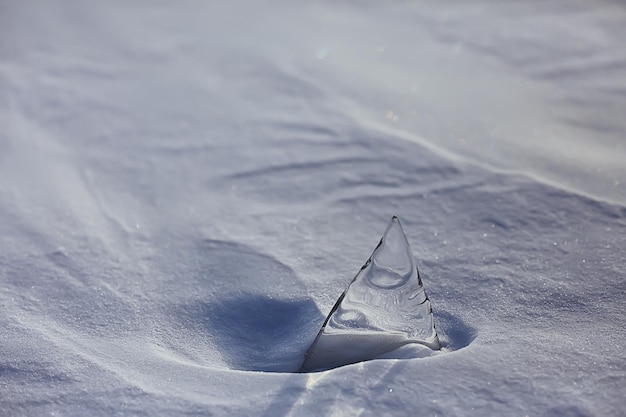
(187,187)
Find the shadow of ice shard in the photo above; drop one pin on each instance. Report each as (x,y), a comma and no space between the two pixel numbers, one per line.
(252,325)
(259,333)
(384,308)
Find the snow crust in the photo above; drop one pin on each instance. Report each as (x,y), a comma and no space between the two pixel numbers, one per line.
(182,184)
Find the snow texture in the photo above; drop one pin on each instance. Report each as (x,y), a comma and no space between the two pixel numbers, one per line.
(186,187)
(384,308)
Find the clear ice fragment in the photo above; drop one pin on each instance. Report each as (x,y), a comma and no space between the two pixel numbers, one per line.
(384,307)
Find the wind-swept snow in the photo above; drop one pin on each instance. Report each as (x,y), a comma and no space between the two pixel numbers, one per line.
(184,189)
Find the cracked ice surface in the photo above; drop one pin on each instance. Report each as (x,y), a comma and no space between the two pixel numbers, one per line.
(384,307)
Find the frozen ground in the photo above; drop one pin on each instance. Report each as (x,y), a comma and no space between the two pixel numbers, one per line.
(187,187)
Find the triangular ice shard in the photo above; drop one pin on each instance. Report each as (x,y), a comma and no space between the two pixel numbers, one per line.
(384,307)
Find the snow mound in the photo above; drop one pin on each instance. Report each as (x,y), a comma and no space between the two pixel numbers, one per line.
(384,308)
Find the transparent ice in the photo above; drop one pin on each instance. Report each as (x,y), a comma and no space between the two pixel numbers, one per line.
(384,307)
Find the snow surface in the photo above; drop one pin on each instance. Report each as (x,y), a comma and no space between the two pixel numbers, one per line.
(187,187)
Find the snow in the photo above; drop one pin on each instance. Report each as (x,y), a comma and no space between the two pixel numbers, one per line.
(186,189)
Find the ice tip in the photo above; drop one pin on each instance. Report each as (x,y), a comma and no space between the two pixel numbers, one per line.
(394,231)
(394,223)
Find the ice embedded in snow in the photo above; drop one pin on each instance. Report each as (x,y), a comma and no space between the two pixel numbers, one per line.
(384,308)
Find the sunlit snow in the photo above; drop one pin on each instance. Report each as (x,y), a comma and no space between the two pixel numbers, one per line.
(187,187)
